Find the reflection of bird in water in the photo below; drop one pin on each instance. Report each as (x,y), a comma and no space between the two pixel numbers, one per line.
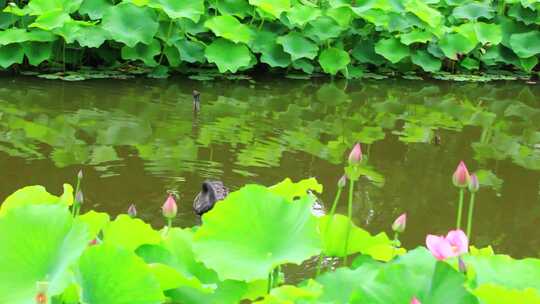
(196,101)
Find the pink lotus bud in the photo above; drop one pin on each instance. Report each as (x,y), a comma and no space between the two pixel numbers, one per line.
(454,244)
(356,155)
(80,175)
(461,176)
(474,184)
(342,181)
(132,211)
(169,208)
(94,242)
(79,197)
(400,223)
(415,301)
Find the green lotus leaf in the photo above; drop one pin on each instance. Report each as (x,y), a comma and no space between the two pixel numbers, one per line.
(323,28)
(13,35)
(497,294)
(424,12)
(51,20)
(230,28)
(143,52)
(291,190)
(523,14)
(293,294)
(528,64)
(176,9)
(332,60)
(17,11)
(300,15)
(167,276)
(94,8)
(41,7)
(240,8)
(129,233)
(274,231)
(488,33)
(304,65)
(37,52)
(298,46)
(470,64)
(364,51)
(130,24)
(415,36)
(36,195)
(342,15)
(426,61)
(526,44)
(263,41)
(227,55)
(276,57)
(455,43)
(474,11)
(190,51)
(392,49)
(379,247)
(95,221)
(272,7)
(109,274)
(10,54)
(38,243)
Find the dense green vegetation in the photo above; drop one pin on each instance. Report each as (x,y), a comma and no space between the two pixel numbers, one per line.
(330,36)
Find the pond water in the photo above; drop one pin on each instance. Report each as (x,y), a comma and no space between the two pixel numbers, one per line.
(136,139)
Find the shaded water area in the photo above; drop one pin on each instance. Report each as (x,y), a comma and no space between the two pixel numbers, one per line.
(136,139)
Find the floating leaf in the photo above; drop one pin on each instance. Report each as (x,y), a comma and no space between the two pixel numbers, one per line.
(286,234)
(227,55)
(333,60)
(230,28)
(391,49)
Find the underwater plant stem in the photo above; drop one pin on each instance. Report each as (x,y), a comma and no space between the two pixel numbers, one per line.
(330,219)
(470,216)
(460,208)
(349,215)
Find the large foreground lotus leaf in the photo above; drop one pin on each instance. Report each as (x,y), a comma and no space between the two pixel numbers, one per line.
(526,44)
(95,221)
(130,233)
(254,230)
(37,52)
(291,190)
(488,33)
(456,43)
(272,7)
(31,195)
(37,243)
(332,60)
(379,247)
(293,294)
(109,274)
(131,24)
(230,28)
(227,55)
(496,294)
(391,49)
(175,9)
(298,46)
(10,54)
(51,20)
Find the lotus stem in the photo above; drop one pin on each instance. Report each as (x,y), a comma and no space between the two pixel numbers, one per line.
(169,223)
(330,219)
(349,215)
(275,277)
(460,208)
(470,217)
(168,35)
(269,286)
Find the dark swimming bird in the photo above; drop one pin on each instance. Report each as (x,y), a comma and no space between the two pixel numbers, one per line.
(211,192)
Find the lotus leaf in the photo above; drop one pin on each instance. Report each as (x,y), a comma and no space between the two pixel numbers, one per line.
(176,9)
(455,43)
(276,57)
(392,49)
(95,222)
(497,294)
(286,234)
(342,15)
(424,12)
(230,28)
(300,15)
(239,8)
(293,294)
(298,46)
(426,61)
(129,233)
(488,33)
(41,7)
(272,7)
(110,274)
(10,54)
(31,195)
(94,8)
(474,11)
(415,36)
(526,44)
(291,190)
(322,29)
(131,24)
(228,56)
(37,52)
(38,243)
(190,51)
(143,52)
(332,60)
(470,63)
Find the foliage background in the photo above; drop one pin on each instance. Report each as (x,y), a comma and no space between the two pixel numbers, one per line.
(344,37)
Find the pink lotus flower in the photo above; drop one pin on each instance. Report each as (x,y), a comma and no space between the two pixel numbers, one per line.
(454,244)
(356,155)
(169,207)
(474,184)
(415,301)
(400,223)
(461,176)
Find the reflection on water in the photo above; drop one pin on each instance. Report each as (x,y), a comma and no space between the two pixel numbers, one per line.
(137,139)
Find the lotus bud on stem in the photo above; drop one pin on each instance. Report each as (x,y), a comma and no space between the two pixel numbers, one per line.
(414,300)
(76,206)
(355,157)
(460,178)
(342,182)
(132,211)
(474,186)
(169,210)
(399,227)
